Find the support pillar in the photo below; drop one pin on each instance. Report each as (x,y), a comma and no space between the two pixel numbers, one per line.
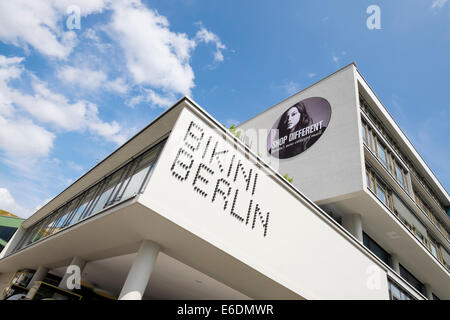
(353,224)
(140,271)
(428,291)
(39,275)
(395,263)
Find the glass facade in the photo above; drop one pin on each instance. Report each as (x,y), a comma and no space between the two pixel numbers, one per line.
(397,293)
(370,244)
(120,185)
(378,187)
(386,157)
(385,195)
(396,169)
(412,280)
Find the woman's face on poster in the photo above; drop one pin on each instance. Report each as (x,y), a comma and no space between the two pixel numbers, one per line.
(292,118)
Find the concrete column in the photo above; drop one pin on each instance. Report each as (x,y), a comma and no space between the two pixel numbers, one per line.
(428,291)
(76,261)
(395,263)
(39,275)
(353,224)
(140,272)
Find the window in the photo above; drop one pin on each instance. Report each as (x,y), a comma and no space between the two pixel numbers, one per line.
(381,193)
(364,133)
(399,175)
(396,293)
(405,274)
(6,232)
(435,250)
(379,188)
(420,237)
(122,184)
(382,155)
(376,249)
(369,180)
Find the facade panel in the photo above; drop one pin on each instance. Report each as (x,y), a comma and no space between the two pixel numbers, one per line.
(228,198)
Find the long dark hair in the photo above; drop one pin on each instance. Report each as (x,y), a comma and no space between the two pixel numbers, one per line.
(305,119)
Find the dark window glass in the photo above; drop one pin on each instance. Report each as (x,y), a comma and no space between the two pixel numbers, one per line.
(376,249)
(400,177)
(122,184)
(364,132)
(381,192)
(382,155)
(412,280)
(6,232)
(397,293)
(369,182)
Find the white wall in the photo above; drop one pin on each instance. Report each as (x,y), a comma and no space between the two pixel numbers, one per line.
(295,246)
(333,165)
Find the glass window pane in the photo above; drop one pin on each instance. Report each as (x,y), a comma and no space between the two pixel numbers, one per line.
(140,173)
(46,227)
(433,249)
(399,175)
(116,195)
(381,193)
(85,204)
(69,208)
(382,155)
(396,294)
(37,233)
(364,133)
(53,225)
(106,192)
(368,180)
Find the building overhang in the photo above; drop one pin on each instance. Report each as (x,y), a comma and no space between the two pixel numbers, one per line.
(302,253)
(379,223)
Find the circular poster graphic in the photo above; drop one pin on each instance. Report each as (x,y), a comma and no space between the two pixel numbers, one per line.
(299,127)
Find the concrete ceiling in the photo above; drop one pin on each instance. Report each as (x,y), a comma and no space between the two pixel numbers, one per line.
(170,280)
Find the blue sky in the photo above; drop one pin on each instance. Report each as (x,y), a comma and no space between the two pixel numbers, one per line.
(69,96)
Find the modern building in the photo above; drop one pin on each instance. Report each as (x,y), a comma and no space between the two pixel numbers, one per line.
(8,226)
(187,209)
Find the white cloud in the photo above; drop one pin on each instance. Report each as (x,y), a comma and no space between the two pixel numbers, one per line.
(438,4)
(74,166)
(24,138)
(118,85)
(8,203)
(39,24)
(19,134)
(291,87)
(91,79)
(155,56)
(53,108)
(43,203)
(152,97)
(86,78)
(206,36)
(311,75)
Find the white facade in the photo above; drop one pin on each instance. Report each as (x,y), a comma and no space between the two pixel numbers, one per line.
(332,173)
(213,220)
